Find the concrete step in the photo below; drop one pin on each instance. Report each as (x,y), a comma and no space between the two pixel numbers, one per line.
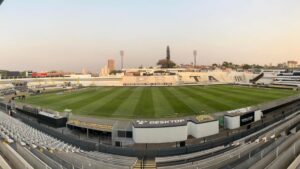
(146,164)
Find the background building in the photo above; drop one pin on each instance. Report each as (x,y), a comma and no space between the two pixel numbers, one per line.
(292,64)
(111,65)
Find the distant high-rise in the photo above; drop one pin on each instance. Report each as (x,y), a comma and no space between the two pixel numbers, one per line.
(111,64)
(168,53)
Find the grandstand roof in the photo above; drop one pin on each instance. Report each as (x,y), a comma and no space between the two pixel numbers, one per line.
(93,126)
(202,119)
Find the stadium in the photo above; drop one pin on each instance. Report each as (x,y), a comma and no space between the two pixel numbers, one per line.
(164,117)
(126,117)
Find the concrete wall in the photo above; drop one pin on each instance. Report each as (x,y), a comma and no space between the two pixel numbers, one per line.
(203,129)
(160,135)
(231,122)
(174,134)
(257,115)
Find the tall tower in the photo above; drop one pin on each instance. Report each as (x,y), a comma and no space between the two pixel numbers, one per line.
(168,53)
(122,59)
(195,57)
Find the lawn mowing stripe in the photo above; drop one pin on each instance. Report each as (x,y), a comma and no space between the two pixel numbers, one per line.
(237,99)
(46,99)
(126,109)
(252,97)
(103,91)
(258,91)
(161,105)
(110,107)
(264,90)
(209,102)
(212,96)
(92,104)
(180,108)
(76,102)
(255,94)
(195,105)
(145,107)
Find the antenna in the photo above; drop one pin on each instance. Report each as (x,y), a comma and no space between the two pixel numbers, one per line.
(195,57)
(122,58)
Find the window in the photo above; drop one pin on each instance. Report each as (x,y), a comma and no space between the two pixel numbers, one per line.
(121,133)
(129,134)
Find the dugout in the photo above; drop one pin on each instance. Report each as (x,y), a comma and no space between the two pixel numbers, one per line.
(92,128)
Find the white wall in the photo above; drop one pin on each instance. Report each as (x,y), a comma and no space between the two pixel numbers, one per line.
(160,135)
(176,133)
(231,122)
(257,115)
(203,129)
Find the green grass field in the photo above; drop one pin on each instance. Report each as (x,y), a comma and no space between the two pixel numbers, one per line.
(154,102)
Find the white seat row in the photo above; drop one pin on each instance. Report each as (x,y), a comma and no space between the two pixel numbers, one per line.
(11,128)
(110,158)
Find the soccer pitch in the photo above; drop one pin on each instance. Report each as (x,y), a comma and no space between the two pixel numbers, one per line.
(156,102)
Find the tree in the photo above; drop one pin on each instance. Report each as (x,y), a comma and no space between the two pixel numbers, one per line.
(214,65)
(246,66)
(113,72)
(164,63)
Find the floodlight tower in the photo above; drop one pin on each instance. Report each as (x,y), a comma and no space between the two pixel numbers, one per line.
(122,59)
(195,58)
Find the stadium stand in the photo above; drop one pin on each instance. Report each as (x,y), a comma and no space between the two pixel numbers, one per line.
(167,80)
(3,163)
(295,164)
(113,159)
(161,161)
(96,160)
(32,159)
(25,134)
(212,77)
(16,159)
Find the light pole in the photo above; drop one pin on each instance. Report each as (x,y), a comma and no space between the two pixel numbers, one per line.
(122,59)
(195,58)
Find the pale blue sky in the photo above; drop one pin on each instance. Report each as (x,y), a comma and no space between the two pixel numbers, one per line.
(72,34)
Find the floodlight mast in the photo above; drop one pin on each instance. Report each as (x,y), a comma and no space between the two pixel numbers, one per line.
(122,59)
(195,58)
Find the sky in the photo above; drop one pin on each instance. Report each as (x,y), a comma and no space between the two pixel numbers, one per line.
(73,34)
